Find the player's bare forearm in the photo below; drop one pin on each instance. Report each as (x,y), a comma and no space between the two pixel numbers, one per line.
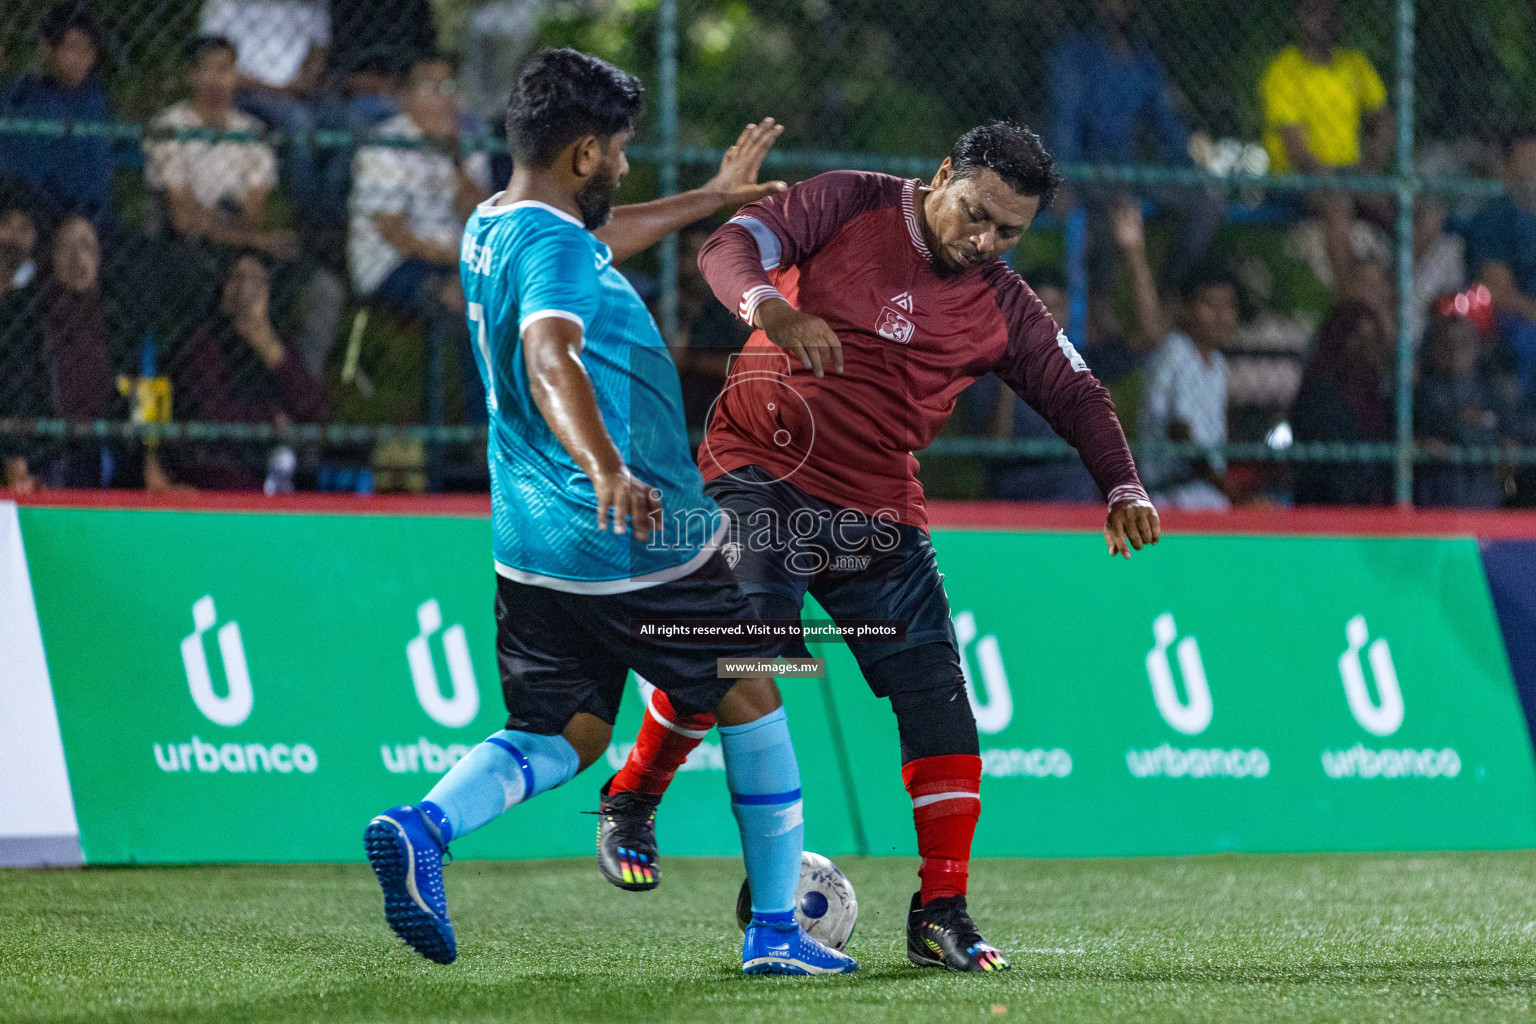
(1132,523)
(563,393)
(639,226)
(633,229)
(561,389)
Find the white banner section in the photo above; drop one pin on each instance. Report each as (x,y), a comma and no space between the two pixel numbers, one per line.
(37,812)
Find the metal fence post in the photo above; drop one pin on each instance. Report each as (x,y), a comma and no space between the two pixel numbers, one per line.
(666,52)
(1407,188)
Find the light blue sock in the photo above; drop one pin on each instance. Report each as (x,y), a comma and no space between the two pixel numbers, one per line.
(764,780)
(508,768)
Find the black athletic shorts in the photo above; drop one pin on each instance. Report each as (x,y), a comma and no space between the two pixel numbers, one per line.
(785,542)
(560,653)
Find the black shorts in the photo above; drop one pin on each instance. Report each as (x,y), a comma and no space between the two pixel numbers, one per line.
(560,653)
(785,542)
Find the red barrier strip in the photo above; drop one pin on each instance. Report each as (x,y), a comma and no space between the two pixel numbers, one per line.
(1305,521)
(478,505)
(965,515)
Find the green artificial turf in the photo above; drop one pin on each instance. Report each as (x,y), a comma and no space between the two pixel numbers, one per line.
(1355,938)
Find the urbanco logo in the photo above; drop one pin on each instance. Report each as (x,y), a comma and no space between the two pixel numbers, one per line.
(461,707)
(1191,714)
(235,706)
(1384,715)
(994,715)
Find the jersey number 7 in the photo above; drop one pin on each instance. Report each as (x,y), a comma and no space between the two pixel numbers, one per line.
(477,316)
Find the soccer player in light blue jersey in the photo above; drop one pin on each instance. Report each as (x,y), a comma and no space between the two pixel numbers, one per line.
(598,512)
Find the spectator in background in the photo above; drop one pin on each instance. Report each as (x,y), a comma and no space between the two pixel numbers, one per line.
(1454,404)
(24,391)
(74,172)
(1502,253)
(1185,398)
(408,208)
(1325,110)
(236,369)
(281,59)
(368,96)
(214,191)
(74,334)
(82,355)
(1345,396)
(1107,90)
(1439,262)
(1111,360)
(405,27)
(216,194)
(18,239)
(370,91)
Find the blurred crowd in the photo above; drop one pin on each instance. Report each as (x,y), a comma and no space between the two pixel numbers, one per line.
(236,279)
(1197,352)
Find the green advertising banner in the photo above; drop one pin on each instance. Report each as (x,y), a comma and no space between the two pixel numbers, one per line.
(240,687)
(256,687)
(1222,693)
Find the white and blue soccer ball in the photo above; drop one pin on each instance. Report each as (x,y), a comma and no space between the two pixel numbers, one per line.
(825,905)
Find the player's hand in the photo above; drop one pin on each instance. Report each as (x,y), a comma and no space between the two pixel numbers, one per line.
(1132,523)
(629,499)
(802,335)
(736,182)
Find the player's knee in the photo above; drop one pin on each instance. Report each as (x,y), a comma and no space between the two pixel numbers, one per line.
(589,735)
(747,701)
(927,692)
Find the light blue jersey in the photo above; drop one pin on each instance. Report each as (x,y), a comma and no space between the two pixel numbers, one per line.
(526,261)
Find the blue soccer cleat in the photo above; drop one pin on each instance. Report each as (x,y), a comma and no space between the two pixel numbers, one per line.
(407,857)
(781,951)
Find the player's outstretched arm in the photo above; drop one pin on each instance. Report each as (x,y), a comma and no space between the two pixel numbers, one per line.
(1132,523)
(637,227)
(563,393)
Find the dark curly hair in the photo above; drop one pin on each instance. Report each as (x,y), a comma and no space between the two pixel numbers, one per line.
(1014,152)
(564,94)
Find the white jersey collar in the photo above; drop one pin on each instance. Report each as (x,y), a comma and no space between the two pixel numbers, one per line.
(910,213)
(489,208)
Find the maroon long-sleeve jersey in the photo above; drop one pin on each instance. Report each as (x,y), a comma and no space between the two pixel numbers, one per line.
(847,246)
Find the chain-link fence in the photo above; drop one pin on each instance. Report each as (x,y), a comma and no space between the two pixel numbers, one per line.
(230,228)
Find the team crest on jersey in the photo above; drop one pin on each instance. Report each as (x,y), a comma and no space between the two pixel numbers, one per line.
(893,326)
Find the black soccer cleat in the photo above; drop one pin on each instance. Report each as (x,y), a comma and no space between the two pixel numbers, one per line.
(942,934)
(626,840)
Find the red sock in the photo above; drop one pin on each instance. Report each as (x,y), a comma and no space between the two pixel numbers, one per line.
(665,741)
(946,801)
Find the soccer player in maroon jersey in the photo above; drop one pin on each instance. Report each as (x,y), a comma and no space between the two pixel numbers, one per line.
(878,300)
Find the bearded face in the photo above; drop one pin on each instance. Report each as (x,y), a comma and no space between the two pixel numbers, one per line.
(595,200)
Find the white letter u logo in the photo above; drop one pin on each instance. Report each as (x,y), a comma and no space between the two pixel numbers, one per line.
(1193,715)
(235,707)
(460,709)
(1381,719)
(993,716)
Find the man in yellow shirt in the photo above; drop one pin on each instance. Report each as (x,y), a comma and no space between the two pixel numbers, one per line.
(1318,96)
(1325,110)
